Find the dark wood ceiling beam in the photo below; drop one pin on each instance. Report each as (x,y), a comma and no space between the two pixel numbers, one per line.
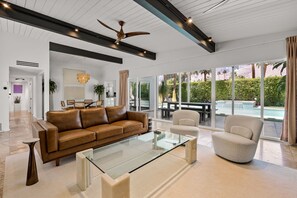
(164,10)
(80,52)
(29,17)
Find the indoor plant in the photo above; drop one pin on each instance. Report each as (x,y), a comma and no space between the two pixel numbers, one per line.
(99,90)
(52,86)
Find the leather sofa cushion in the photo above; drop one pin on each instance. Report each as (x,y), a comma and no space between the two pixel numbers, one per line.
(74,138)
(129,125)
(92,117)
(64,120)
(106,130)
(116,113)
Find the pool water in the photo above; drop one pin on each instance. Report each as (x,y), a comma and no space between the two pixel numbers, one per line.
(269,112)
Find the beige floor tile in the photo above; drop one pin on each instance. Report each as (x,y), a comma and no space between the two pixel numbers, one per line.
(20,124)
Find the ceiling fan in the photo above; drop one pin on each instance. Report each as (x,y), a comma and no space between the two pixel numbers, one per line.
(215,6)
(120,34)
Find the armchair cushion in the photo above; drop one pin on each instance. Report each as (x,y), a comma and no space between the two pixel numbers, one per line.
(187,122)
(242,131)
(185,130)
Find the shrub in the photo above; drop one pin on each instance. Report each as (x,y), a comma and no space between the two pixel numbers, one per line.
(245,89)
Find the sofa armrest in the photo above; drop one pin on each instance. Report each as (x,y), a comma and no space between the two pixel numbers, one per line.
(52,135)
(39,132)
(138,116)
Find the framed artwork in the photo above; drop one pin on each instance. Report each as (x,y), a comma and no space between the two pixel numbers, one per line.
(18,89)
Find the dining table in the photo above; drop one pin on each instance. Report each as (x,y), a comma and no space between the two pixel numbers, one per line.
(203,108)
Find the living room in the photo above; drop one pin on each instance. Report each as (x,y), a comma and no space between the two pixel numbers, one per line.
(166,71)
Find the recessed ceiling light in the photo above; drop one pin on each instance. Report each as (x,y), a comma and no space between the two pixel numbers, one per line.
(144,51)
(5,5)
(209,39)
(76,29)
(189,20)
(117,43)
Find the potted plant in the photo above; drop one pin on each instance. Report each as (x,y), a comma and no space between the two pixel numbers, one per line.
(99,90)
(52,86)
(17,103)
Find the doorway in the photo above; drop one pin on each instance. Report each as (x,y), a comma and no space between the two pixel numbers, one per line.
(26,91)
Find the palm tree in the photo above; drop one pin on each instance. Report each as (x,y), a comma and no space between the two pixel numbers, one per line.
(259,65)
(224,72)
(253,71)
(282,82)
(205,73)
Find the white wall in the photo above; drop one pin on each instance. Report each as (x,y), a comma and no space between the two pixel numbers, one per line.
(15,48)
(244,51)
(56,74)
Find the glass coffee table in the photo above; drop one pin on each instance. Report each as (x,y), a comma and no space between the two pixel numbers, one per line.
(118,160)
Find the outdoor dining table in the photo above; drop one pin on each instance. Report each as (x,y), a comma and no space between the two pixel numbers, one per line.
(202,107)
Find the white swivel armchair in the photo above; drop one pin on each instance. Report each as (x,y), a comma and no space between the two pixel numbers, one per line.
(239,141)
(185,122)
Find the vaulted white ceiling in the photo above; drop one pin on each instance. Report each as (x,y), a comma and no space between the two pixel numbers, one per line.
(236,19)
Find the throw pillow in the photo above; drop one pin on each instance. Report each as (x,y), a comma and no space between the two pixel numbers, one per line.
(187,122)
(242,131)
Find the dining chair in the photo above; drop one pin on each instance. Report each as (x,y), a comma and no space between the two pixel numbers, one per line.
(79,105)
(63,106)
(70,103)
(88,102)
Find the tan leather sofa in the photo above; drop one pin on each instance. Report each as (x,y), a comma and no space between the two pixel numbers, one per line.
(67,132)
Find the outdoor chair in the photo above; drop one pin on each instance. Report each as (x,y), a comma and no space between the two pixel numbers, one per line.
(239,141)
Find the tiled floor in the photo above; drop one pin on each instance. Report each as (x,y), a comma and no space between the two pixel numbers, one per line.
(20,124)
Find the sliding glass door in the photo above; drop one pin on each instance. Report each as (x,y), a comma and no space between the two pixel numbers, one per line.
(256,90)
(223,92)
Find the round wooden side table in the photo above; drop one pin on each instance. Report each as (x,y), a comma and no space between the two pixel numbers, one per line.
(32,176)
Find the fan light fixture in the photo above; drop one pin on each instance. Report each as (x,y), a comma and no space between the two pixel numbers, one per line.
(189,20)
(5,5)
(83,78)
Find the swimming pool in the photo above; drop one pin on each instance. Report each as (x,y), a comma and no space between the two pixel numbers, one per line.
(248,108)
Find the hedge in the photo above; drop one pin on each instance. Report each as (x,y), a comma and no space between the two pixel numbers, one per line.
(245,89)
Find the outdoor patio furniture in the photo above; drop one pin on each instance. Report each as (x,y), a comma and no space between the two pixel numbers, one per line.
(239,141)
(204,109)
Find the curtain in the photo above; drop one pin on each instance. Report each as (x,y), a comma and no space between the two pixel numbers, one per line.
(289,133)
(123,96)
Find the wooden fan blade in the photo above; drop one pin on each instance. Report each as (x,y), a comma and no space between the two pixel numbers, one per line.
(107,26)
(129,34)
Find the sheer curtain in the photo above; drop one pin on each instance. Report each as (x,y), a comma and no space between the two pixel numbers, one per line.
(123,96)
(289,133)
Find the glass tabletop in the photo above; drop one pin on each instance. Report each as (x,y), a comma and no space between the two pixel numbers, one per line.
(130,154)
